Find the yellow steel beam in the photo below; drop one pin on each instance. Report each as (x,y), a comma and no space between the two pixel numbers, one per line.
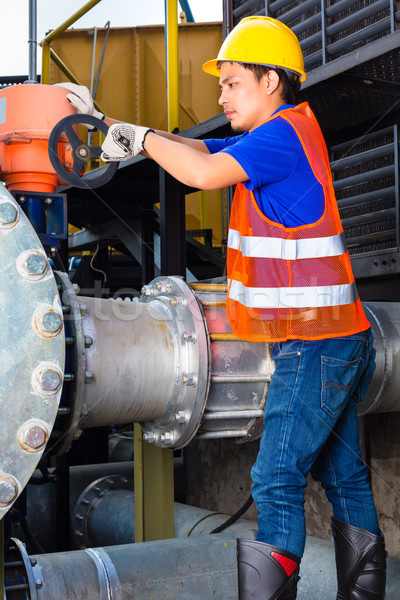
(154,490)
(172,63)
(82,11)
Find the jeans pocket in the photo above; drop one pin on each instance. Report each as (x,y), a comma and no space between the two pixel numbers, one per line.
(338,379)
(367,376)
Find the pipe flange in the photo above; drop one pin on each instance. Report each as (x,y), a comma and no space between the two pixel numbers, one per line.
(19,571)
(88,501)
(182,416)
(73,315)
(32,350)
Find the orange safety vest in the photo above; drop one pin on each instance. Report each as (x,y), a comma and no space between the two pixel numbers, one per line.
(292,282)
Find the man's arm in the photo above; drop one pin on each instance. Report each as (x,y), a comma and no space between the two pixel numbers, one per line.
(197,144)
(191,166)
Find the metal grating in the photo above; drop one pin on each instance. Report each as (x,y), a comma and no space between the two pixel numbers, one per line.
(326,33)
(365,178)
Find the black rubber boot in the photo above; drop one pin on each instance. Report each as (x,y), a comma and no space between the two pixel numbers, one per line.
(360,563)
(266,572)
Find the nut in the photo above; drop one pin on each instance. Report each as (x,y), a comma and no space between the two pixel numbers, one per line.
(88,377)
(8,490)
(48,200)
(49,322)
(50,380)
(148,290)
(164,287)
(35,265)
(83,309)
(167,438)
(88,341)
(8,215)
(188,336)
(189,379)
(149,437)
(33,436)
(181,416)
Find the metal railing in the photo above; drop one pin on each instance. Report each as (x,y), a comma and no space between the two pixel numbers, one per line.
(326,30)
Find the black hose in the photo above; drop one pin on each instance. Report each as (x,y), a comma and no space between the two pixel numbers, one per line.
(235,517)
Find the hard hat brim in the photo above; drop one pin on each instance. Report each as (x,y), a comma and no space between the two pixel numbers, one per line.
(212,68)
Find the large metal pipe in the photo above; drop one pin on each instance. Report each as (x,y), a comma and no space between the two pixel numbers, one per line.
(199,568)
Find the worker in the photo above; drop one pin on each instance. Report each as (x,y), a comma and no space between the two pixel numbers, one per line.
(290,283)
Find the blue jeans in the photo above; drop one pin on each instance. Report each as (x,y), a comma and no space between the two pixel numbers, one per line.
(310,426)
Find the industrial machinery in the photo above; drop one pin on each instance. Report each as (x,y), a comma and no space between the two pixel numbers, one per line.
(75,360)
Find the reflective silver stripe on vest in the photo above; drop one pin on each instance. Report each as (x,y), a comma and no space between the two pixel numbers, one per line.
(293,297)
(271,247)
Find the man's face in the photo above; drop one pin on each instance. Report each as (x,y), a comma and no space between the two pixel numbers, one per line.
(243,97)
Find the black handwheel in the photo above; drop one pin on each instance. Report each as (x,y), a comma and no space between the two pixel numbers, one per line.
(81,152)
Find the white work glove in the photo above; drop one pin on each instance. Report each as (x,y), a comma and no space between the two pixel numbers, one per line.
(123,141)
(81,99)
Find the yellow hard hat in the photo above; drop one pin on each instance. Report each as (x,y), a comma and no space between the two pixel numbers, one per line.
(260,41)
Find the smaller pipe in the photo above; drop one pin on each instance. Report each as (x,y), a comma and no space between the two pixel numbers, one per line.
(32,76)
(209,287)
(363,177)
(216,435)
(362,157)
(233,414)
(388,192)
(223,337)
(240,378)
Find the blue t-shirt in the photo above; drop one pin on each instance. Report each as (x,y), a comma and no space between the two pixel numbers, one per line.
(280,176)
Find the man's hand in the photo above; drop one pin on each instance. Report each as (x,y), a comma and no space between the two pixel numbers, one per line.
(81,99)
(123,141)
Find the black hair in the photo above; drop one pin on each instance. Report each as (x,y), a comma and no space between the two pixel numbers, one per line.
(290,81)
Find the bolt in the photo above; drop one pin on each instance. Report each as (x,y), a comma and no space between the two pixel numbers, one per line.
(22,199)
(88,377)
(33,437)
(35,264)
(83,152)
(67,164)
(78,533)
(167,438)
(178,302)
(88,341)
(84,409)
(68,147)
(188,336)
(33,561)
(181,416)
(189,379)
(79,517)
(148,290)
(83,309)
(48,201)
(8,213)
(50,322)
(76,288)
(149,437)
(39,584)
(8,490)
(50,380)
(164,287)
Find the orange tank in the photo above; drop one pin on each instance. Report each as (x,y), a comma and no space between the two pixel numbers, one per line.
(28,113)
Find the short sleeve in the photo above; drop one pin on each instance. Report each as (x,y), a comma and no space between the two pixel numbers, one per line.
(268,154)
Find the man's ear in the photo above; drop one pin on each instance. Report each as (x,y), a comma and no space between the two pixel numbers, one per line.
(271,81)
